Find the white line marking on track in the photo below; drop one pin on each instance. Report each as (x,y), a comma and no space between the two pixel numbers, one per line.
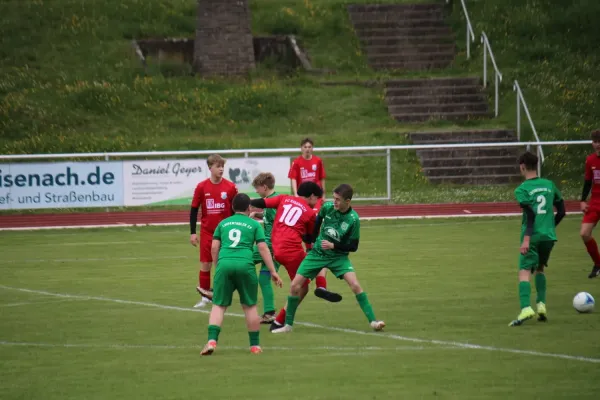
(467,211)
(124,225)
(329,328)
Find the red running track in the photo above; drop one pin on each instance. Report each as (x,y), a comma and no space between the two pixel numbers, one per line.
(173,217)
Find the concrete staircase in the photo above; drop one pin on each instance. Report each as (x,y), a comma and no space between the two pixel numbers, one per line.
(468,166)
(441,98)
(404,36)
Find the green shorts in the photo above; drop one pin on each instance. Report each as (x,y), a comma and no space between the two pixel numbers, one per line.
(538,254)
(232,275)
(258,260)
(313,264)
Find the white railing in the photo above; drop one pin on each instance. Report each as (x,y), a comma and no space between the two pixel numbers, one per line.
(487,49)
(470,33)
(246,152)
(521,101)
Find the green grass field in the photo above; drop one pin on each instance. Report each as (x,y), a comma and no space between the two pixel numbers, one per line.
(100,314)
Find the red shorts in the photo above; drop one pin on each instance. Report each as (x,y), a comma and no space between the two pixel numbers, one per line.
(205,246)
(290,259)
(592,216)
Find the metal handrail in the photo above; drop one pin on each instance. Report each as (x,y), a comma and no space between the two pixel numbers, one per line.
(487,48)
(470,33)
(538,142)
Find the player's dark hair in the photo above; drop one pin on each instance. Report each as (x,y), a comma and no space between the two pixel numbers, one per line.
(241,202)
(306,140)
(595,134)
(530,160)
(345,191)
(307,189)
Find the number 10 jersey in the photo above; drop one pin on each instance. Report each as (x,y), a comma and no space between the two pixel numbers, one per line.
(294,219)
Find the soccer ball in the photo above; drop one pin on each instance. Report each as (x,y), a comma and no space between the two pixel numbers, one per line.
(583,302)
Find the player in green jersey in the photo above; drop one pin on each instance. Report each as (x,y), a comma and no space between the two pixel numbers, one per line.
(337,232)
(537,197)
(232,245)
(264,184)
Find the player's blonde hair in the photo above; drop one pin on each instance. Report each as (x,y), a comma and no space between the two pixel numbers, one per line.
(264,178)
(215,159)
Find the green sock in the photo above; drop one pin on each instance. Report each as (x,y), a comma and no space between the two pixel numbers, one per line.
(254,338)
(264,280)
(292,306)
(540,288)
(525,294)
(213,332)
(363,302)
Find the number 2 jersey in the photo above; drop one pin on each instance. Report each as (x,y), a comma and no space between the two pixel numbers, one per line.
(540,195)
(238,234)
(294,219)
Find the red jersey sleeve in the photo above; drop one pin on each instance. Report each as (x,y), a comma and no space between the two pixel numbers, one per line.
(294,172)
(273,202)
(321,169)
(198,198)
(589,175)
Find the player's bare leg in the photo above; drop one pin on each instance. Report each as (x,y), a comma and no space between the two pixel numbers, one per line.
(298,290)
(321,290)
(214,329)
(204,285)
(591,246)
(363,301)
(253,324)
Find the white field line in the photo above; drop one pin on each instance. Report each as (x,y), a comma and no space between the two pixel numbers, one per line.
(460,345)
(26,303)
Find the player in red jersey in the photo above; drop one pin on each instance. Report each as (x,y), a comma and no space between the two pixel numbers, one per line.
(294,224)
(214,196)
(307,168)
(591,209)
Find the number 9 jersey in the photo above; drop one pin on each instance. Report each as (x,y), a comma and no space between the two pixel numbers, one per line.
(294,219)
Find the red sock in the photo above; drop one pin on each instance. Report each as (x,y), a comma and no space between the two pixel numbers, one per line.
(321,282)
(281,317)
(205,280)
(592,249)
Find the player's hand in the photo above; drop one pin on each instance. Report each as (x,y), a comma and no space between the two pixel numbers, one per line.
(253,215)
(525,245)
(277,280)
(194,240)
(326,245)
(584,206)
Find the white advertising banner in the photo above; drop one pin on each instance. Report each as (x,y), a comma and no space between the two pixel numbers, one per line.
(172,182)
(61,185)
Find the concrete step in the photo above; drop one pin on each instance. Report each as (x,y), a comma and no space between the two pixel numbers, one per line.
(407,40)
(470,170)
(457,115)
(444,31)
(412,65)
(399,57)
(374,51)
(444,82)
(435,99)
(498,179)
(500,135)
(393,8)
(409,23)
(396,16)
(433,91)
(469,152)
(437,108)
(472,161)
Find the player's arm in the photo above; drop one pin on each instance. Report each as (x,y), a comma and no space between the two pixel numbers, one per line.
(308,238)
(530,222)
(587,186)
(194,209)
(293,175)
(352,244)
(257,214)
(323,176)
(216,244)
(271,202)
